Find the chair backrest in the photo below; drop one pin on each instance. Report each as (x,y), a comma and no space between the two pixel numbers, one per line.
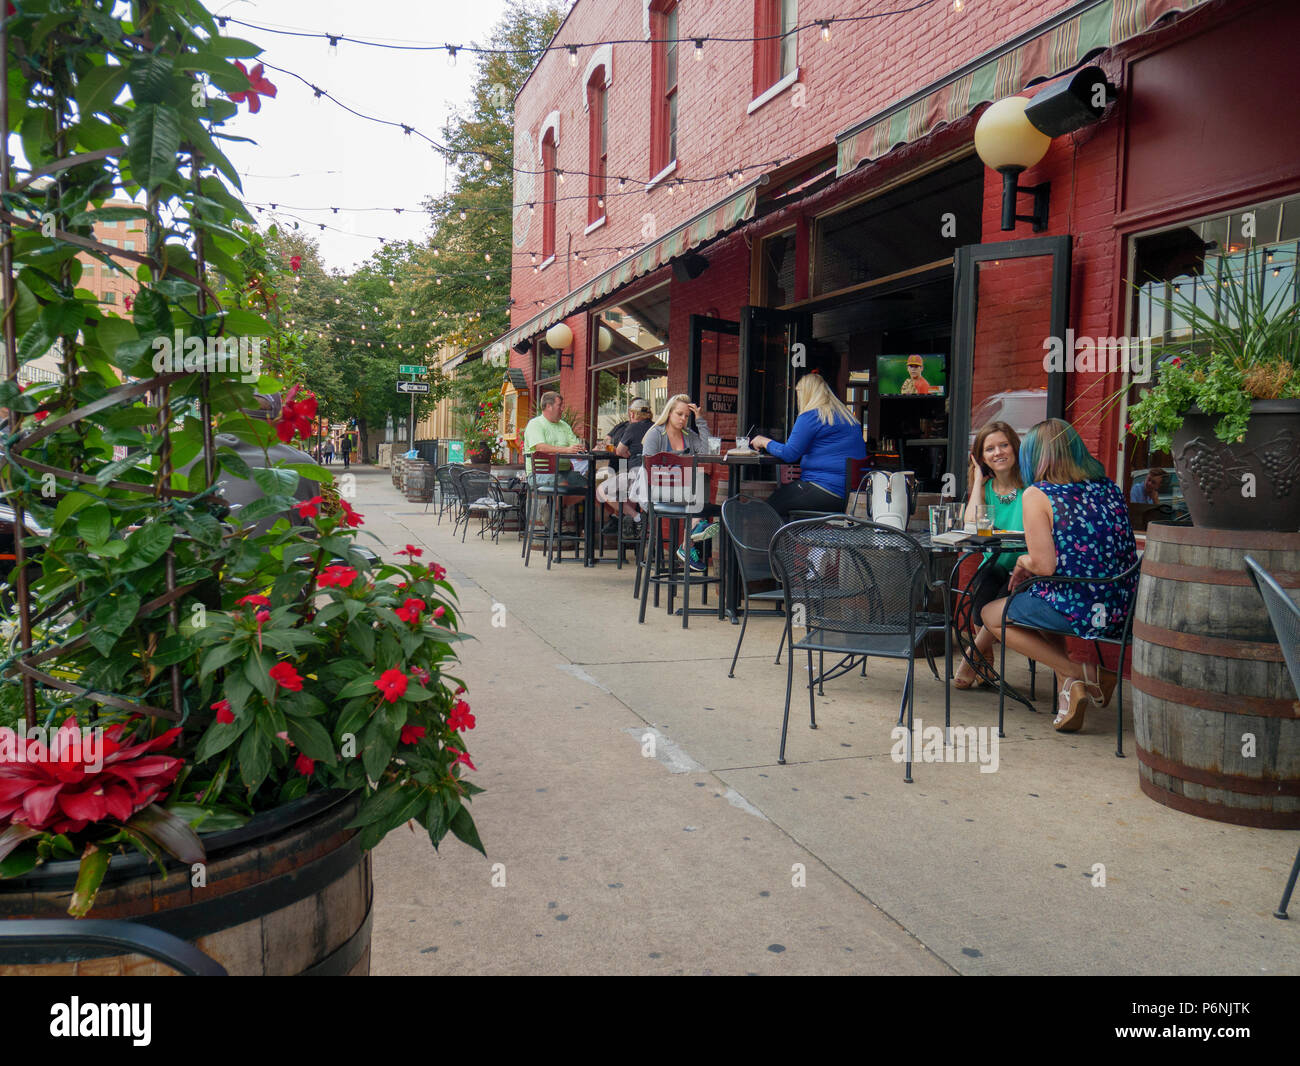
(446,476)
(474,485)
(544,462)
(673,480)
(1284,613)
(751,524)
(854,471)
(849,575)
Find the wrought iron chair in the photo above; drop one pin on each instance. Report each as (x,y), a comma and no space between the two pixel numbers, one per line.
(448,496)
(673,484)
(475,489)
(1122,640)
(68,939)
(543,484)
(506,504)
(1284,613)
(751,524)
(859,589)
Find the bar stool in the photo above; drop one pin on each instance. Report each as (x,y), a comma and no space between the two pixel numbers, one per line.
(673,485)
(543,484)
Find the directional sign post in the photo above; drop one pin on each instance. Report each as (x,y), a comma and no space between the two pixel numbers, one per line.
(412,387)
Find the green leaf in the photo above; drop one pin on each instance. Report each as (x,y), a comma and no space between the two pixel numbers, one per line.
(147,544)
(218,738)
(231,48)
(359,686)
(463,826)
(254,759)
(13,835)
(97,89)
(154,136)
(266,507)
(90,875)
(149,79)
(219,656)
(275,481)
(95,525)
(115,615)
(258,676)
(312,739)
(69,505)
(234,462)
(169,832)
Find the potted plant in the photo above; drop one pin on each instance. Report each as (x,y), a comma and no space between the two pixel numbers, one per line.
(207,715)
(1227,406)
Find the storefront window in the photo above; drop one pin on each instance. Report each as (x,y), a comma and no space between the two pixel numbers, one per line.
(634,359)
(1202,261)
(778,259)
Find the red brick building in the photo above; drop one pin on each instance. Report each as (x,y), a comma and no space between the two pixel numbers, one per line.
(697,209)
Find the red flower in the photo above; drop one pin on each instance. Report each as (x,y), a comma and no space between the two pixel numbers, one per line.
(413,734)
(309,508)
(256,600)
(342,576)
(437,571)
(257,86)
(421,675)
(459,690)
(438,612)
(392,683)
(224,714)
(60,790)
(461,757)
(284,675)
(412,551)
(127,301)
(296,416)
(295,262)
(460,719)
(350,517)
(1176,361)
(410,610)
(304,765)
(262,616)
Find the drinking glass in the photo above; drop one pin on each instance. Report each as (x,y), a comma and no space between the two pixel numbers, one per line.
(939,516)
(715,445)
(742,444)
(983,519)
(956,516)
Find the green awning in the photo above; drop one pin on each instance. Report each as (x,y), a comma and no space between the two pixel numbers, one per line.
(727,214)
(1056,46)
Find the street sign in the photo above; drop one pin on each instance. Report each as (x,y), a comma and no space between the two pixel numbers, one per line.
(412,370)
(412,386)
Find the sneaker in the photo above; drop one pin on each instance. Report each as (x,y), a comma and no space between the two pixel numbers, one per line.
(631,529)
(697,564)
(610,528)
(704,530)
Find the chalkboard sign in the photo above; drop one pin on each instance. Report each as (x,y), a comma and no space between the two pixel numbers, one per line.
(722,381)
(721,403)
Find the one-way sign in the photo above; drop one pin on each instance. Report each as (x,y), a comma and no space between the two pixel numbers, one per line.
(412,386)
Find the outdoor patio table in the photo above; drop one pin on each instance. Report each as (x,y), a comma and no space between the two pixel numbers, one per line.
(727,601)
(986,549)
(589,523)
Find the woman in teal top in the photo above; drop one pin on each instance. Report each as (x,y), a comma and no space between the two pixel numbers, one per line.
(995,481)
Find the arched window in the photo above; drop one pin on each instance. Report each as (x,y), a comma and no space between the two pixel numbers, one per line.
(549,174)
(663,82)
(598,141)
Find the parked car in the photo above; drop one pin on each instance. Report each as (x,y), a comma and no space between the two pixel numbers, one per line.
(1021,409)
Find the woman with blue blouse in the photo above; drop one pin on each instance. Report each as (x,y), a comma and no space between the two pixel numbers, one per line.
(824,436)
(1076,525)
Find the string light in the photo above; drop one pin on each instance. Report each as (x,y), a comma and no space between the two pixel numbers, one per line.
(451,55)
(825,24)
(699,49)
(334,44)
(573,55)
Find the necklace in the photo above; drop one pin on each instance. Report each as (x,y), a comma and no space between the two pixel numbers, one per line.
(1008,497)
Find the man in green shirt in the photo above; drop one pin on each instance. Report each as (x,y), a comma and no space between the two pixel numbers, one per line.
(548,434)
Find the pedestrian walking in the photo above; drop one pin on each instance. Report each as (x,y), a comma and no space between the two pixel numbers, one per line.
(347,450)
(329,451)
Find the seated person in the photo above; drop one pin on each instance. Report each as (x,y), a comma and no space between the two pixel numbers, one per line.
(1148,490)
(824,436)
(616,493)
(1076,525)
(548,434)
(995,482)
(670,433)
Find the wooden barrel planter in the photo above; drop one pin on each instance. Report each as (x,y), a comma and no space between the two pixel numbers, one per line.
(1208,676)
(420,480)
(287,894)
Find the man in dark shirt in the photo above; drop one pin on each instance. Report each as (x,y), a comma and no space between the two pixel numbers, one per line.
(626,437)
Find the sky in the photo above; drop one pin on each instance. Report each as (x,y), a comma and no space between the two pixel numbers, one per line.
(313,154)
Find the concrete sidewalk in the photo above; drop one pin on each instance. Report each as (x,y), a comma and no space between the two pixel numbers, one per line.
(640,824)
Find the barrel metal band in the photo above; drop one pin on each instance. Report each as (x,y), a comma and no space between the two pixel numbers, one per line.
(1226,702)
(1219,647)
(1221,779)
(1219,813)
(1211,575)
(1204,537)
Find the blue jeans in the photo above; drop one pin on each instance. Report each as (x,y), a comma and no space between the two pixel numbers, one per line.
(1034,612)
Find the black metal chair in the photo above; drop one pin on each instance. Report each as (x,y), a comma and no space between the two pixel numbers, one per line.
(1284,613)
(475,489)
(506,504)
(40,940)
(673,483)
(1122,640)
(859,589)
(751,524)
(448,497)
(544,485)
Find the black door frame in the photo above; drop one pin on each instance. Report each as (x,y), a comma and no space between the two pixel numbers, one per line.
(700,325)
(800,326)
(965,311)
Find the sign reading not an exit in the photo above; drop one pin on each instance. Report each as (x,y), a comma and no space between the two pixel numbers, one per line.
(722,381)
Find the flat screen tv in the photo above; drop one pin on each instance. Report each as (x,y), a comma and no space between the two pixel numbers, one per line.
(912,375)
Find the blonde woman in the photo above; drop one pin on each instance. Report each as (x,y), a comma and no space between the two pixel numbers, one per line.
(824,437)
(670,433)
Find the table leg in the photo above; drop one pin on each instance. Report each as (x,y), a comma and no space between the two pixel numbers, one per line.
(588,547)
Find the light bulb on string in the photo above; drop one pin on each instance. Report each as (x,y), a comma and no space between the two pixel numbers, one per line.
(451,55)
(826,28)
(487,164)
(463,216)
(573,55)
(699,49)
(334,44)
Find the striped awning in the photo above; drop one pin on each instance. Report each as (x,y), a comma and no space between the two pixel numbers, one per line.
(735,209)
(1055,46)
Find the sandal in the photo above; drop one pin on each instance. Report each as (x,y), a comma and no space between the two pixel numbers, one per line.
(958,681)
(1101,685)
(1072,707)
